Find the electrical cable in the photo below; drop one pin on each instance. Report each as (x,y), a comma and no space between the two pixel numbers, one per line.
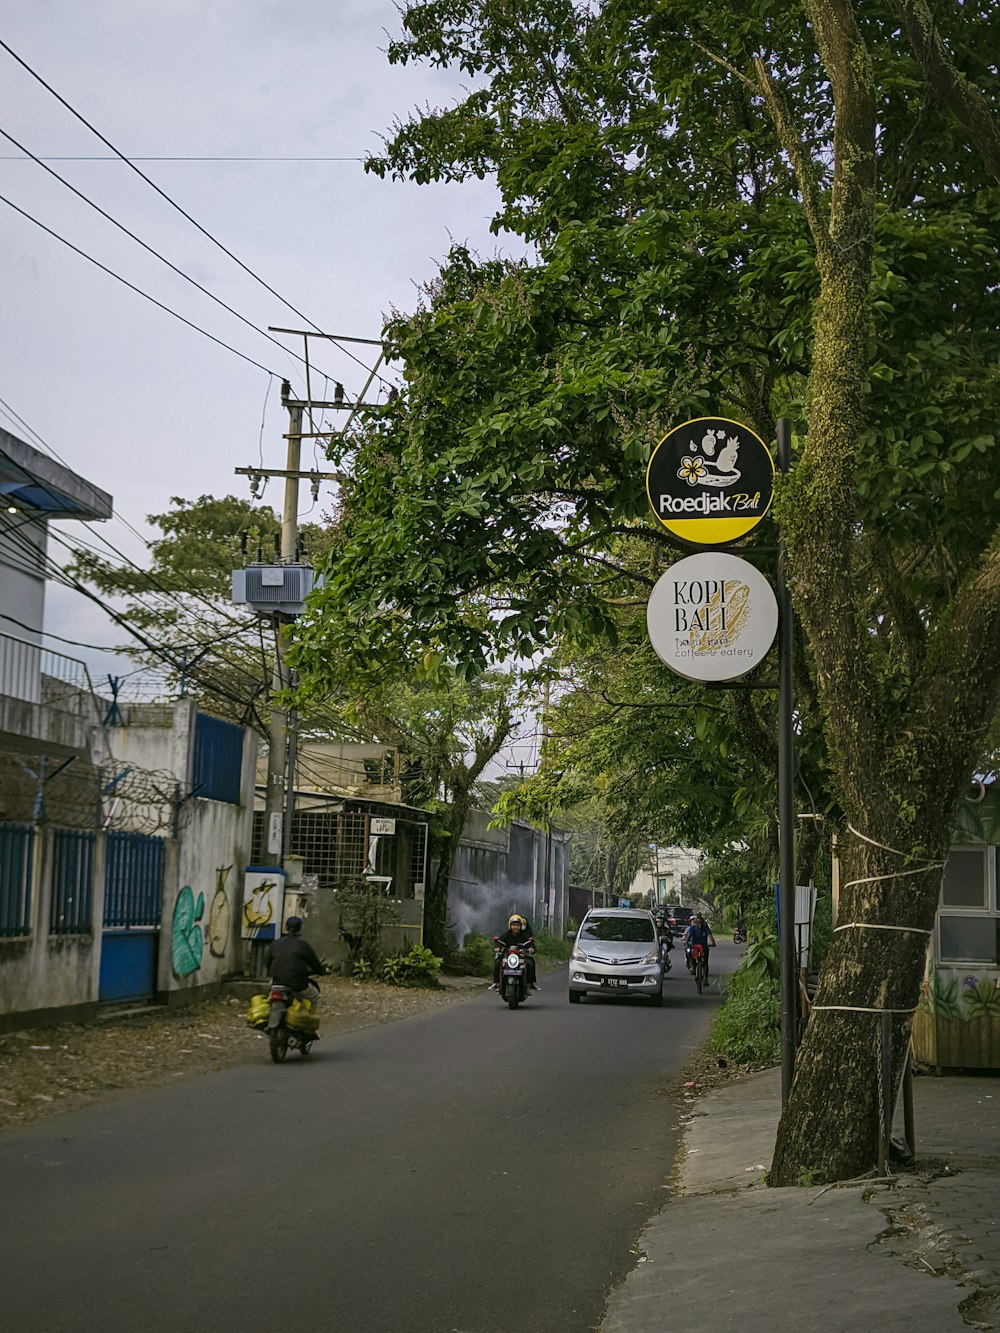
(116,517)
(149,249)
(162,193)
(60,575)
(118,278)
(138,157)
(47,634)
(167,592)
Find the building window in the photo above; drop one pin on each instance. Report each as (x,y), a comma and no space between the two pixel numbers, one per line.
(661,884)
(966,881)
(968,921)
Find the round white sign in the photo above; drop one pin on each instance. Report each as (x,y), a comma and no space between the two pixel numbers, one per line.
(712,616)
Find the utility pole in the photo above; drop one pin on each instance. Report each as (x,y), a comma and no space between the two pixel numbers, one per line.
(277,756)
(279,795)
(543,759)
(787,948)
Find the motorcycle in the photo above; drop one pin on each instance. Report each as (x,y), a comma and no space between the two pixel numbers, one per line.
(739,935)
(666,944)
(513,984)
(289,1023)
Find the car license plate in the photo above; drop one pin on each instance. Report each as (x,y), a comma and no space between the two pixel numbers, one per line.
(614,981)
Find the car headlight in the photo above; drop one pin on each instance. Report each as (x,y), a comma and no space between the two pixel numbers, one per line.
(652,956)
(577,955)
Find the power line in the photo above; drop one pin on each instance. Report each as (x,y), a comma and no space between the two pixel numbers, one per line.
(136,157)
(174,594)
(118,278)
(149,181)
(148,248)
(116,517)
(156,650)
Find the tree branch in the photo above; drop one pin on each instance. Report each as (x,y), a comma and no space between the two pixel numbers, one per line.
(802,164)
(963,98)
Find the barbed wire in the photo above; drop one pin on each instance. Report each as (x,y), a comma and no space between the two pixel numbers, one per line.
(78,794)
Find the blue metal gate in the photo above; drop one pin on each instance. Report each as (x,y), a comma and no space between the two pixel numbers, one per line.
(133,904)
(16,849)
(72,881)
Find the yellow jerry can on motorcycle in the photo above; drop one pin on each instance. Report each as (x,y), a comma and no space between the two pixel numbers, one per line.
(301,1017)
(258,1010)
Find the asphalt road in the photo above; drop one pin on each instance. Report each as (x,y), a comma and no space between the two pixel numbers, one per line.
(466,1171)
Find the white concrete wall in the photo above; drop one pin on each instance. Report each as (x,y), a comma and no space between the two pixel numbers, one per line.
(22,597)
(45,971)
(202,893)
(203,889)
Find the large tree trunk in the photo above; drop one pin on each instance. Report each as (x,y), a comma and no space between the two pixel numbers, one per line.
(831,1127)
(441,855)
(900,768)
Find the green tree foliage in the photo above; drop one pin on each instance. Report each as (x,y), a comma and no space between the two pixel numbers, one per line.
(750,210)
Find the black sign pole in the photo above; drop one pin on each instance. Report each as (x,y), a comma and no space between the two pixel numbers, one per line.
(786,804)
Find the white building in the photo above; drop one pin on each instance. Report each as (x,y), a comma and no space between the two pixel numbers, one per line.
(124,833)
(661,881)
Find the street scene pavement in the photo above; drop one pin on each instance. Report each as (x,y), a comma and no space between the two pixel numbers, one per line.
(457,1170)
(921,1252)
(412,1174)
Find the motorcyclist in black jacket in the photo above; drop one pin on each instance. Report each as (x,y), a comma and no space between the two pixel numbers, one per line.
(292,960)
(518,932)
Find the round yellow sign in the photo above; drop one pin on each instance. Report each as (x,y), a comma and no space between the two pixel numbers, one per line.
(710,481)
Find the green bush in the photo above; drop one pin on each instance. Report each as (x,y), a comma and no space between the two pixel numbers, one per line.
(762,958)
(365,912)
(550,946)
(477,956)
(747,1029)
(418,967)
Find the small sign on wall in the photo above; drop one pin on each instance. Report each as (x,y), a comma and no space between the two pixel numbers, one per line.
(263,900)
(274,833)
(384,827)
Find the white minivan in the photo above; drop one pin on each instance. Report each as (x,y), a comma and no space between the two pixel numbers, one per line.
(617,952)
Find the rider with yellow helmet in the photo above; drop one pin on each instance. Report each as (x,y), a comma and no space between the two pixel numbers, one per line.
(518,932)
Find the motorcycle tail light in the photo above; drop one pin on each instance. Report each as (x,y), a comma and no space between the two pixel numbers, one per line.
(277,995)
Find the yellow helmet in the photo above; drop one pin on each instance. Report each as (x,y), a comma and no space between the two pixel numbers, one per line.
(519,919)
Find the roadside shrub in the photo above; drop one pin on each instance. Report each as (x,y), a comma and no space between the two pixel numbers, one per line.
(478,955)
(550,946)
(747,1029)
(365,912)
(418,967)
(762,958)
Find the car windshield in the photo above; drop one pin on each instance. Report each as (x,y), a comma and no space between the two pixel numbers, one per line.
(617,929)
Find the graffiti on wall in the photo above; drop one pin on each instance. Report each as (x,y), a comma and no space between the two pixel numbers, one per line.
(219,916)
(187,944)
(259,907)
(977,997)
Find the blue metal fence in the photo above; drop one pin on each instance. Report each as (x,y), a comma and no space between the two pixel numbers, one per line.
(72,881)
(17,843)
(133,883)
(218,759)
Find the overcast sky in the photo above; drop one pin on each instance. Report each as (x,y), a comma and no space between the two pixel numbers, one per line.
(136,402)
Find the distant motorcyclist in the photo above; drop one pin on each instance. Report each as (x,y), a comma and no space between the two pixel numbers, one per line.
(663,932)
(518,932)
(292,960)
(698,932)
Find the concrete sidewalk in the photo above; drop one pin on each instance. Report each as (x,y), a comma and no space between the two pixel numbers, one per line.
(922,1254)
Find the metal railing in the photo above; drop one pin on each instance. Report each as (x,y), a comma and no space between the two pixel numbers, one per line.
(39,675)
